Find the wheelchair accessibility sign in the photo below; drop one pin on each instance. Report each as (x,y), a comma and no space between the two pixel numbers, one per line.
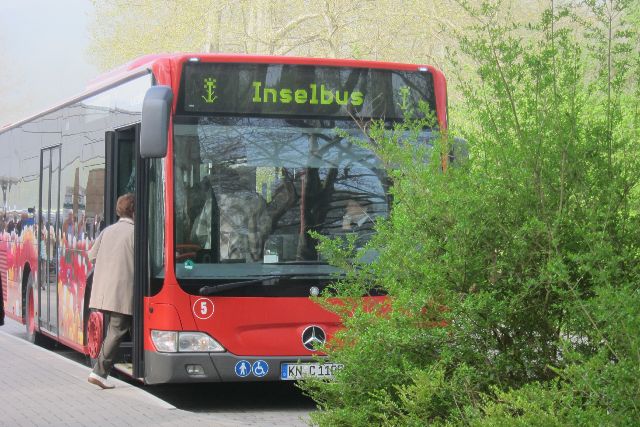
(260,368)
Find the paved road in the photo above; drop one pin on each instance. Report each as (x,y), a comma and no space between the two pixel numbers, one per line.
(41,387)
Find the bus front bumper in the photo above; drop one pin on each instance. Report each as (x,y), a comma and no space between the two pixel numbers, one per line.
(214,367)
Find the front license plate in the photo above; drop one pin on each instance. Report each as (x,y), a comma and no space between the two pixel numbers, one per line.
(296,371)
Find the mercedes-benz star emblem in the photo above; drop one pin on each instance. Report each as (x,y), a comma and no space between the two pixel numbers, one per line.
(313,337)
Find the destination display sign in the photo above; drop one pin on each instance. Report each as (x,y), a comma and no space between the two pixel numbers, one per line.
(303,90)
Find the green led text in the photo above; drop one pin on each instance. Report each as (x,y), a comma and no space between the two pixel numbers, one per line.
(210,86)
(313,95)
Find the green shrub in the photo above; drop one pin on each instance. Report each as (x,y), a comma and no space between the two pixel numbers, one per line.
(528,251)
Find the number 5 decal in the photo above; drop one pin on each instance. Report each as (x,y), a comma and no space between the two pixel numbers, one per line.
(203,308)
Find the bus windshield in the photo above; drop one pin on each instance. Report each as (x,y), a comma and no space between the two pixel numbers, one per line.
(249,191)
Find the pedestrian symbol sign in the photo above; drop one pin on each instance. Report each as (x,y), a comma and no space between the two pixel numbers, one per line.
(260,368)
(243,368)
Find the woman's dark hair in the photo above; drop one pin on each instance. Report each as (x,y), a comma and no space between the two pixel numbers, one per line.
(126,206)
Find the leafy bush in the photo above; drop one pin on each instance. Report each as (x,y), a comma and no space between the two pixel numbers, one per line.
(512,277)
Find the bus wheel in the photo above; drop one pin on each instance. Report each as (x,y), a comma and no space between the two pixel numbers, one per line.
(33,336)
(94,334)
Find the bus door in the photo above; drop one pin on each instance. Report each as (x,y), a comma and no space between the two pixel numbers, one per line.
(121,170)
(120,150)
(49,234)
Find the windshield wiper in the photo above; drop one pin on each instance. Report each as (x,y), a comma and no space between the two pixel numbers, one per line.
(299,263)
(263,281)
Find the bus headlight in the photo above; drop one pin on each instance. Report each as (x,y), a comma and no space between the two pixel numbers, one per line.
(197,341)
(174,341)
(166,341)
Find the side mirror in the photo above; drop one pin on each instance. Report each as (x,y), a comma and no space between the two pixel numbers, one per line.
(154,131)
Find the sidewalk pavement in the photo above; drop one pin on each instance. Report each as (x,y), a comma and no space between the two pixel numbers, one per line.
(41,388)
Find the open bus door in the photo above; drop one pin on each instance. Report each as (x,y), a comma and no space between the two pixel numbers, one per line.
(123,164)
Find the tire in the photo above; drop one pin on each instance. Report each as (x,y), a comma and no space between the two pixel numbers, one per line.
(33,336)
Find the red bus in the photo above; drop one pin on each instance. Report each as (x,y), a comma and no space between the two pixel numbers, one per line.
(233,159)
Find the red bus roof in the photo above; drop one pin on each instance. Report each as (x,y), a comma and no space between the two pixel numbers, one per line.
(147,62)
(169,65)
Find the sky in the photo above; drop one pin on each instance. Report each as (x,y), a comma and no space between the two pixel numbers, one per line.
(45,49)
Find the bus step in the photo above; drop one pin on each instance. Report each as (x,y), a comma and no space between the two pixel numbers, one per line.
(126,368)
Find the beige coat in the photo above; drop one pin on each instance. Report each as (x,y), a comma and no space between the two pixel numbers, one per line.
(113,274)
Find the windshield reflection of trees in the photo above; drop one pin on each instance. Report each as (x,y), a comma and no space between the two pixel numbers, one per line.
(251,190)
